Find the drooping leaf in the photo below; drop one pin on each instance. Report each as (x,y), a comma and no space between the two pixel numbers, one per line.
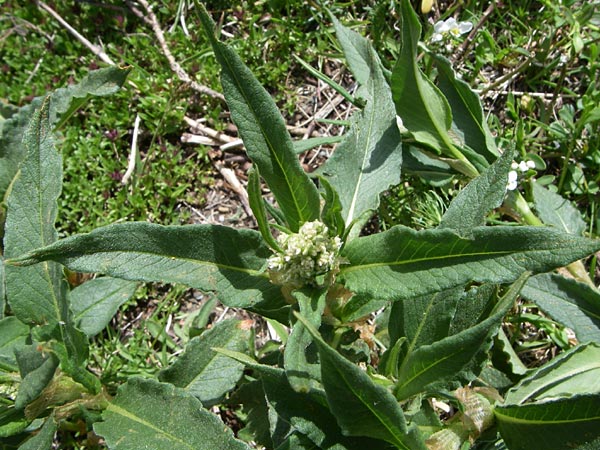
(201,371)
(154,416)
(300,357)
(64,102)
(423,109)
(455,360)
(13,334)
(467,112)
(403,263)
(557,211)
(95,302)
(557,406)
(486,192)
(265,136)
(44,439)
(206,257)
(571,303)
(361,407)
(36,371)
(369,159)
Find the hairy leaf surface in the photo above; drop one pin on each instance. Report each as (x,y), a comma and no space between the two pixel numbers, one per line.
(403,263)
(155,416)
(557,211)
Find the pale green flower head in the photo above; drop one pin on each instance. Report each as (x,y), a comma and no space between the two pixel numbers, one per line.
(305,255)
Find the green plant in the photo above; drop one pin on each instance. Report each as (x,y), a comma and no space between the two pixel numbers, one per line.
(339,379)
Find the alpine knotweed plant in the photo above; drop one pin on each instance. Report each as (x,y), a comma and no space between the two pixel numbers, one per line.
(378,334)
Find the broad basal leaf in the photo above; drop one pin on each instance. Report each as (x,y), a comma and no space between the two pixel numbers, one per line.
(455,360)
(361,407)
(206,257)
(96,301)
(369,159)
(156,416)
(265,136)
(557,406)
(571,303)
(557,211)
(403,263)
(201,371)
(424,110)
(486,192)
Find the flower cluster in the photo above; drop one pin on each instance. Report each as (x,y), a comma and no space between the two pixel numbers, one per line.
(305,255)
(449,27)
(513,175)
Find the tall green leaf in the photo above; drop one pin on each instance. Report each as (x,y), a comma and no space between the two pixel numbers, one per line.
(257,203)
(35,293)
(571,303)
(486,192)
(64,102)
(207,257)
(265,136)
(467,112)
(424,110)
(361,407)
(95,302)
(557,211)
(369,159)
(454,360)
(403,263)
(201,371)
(156,416)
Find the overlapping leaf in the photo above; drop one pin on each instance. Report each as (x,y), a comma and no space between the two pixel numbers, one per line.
(265,136)
(403,263)
(206,257)
(557,211)
(369,159)
(201,371)
(155,416)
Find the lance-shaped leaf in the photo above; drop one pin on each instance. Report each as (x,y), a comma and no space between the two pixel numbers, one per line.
(403,263)
(557,406)
(204,373)
(64,102)
(35,293)
(265,136)
(467,112)
(369,159)
(96,301)
(555,210)
(155,416)
(361,407)
(454,360)
(206,257)
(257,204)
(424,110)
(573,304)
(486,192)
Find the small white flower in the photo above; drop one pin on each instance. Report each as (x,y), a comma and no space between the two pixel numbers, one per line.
(513,176)
(305,255)
(451,27)
(514,165)
(523,166)
(531,164)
